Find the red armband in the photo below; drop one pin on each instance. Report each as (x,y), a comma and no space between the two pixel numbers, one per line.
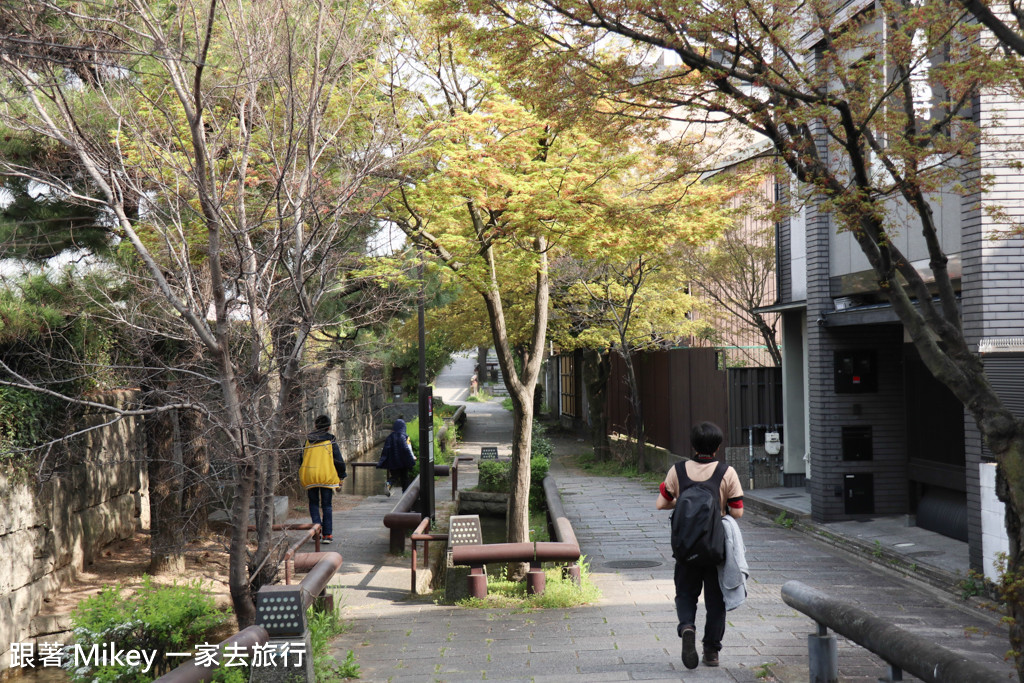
(665,494)
(735,503)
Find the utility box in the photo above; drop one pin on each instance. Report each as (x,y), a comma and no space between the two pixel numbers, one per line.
(856,371)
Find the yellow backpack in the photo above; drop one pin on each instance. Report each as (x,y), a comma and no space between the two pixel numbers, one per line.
(317,467)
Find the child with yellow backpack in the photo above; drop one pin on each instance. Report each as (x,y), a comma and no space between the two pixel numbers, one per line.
(321,472)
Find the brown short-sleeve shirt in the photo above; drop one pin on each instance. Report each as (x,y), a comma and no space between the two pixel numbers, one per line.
(731,490)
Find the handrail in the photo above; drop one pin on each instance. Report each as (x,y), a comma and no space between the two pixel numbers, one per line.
(419,535)
(912,653)
(565,549)
(455,471)
(190,672)
(314,532)
(402,518)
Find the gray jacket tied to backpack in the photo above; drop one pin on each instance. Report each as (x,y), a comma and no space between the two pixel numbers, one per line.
(733,573)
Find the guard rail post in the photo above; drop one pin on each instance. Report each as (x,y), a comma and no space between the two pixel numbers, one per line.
(823,655)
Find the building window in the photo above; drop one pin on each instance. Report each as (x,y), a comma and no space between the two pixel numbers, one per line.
(567,383)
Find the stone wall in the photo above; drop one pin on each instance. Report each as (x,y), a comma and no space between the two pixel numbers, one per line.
(51,531)
(656,458)
(356,407)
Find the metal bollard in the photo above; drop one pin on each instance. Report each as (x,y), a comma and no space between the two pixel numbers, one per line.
(823,655)
(536,581)
(477,582)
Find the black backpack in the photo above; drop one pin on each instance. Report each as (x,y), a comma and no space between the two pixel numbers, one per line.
(698,535)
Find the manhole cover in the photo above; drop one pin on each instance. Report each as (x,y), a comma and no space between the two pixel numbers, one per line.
(632,564)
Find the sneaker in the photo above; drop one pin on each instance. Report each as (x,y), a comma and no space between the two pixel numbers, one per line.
(710,657)
(326,539)
(387,488)
(690,660)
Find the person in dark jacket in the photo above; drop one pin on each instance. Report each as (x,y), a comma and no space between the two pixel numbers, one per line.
(320,497)
(397,457)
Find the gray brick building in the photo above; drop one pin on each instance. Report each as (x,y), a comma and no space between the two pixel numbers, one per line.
(867,426)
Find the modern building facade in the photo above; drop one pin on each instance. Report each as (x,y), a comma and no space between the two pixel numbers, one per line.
(866,424)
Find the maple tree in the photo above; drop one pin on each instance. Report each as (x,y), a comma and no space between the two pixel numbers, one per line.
(869,105)
(499,191)
(631,293)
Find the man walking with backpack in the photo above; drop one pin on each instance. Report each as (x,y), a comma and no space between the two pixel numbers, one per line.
(700,492)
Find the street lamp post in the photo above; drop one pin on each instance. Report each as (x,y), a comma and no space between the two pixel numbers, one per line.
(426,413)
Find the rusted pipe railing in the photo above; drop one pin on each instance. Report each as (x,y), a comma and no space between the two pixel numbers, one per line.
(565,549)
(419,534)
(402,519)
(455,472)
(560,527)
(902,650)
(476,556)
(321,568)
(313,532)
(190,672)
(314,584)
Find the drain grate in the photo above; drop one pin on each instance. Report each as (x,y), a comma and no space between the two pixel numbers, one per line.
(632,564)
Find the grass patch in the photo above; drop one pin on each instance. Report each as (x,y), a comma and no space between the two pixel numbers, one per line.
(479,397)
(506,403)
(323,626)
(558,592)
(613,468)
(785,520)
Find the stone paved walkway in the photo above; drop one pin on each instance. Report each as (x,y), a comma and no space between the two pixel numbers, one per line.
(630,633)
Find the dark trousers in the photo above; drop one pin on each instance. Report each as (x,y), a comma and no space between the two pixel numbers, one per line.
(320,499)
(399,477)
(689,583)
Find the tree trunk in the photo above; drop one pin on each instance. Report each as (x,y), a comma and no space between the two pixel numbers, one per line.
(1010,488)
(596,371)
(196,459)
(518,521)
(636,405)
(481,365)
(164,462)
(238,550)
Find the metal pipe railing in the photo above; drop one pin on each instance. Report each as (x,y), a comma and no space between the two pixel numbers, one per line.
(455,472)
(565,549)
(901,649)
(419,535)
(402,518)
(313,532)
(313,586)
(315,582)
(190,672)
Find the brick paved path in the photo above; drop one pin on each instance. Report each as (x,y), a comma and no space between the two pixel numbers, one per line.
(630,634)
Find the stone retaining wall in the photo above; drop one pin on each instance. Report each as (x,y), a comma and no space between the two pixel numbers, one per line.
(356,408)
(53,530)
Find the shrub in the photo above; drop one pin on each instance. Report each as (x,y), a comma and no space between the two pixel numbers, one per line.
(496,477)
(161,618)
